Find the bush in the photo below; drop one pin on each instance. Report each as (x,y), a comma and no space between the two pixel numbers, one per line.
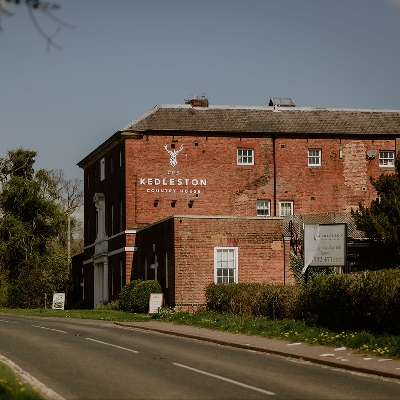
(125,302)
(108,305)
(3,288)
(27,291)
(134,296)
(297,265)
(369,300)
(252,299)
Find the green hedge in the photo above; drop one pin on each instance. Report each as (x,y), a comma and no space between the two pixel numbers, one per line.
(368,301)
(252,299)
(134,296)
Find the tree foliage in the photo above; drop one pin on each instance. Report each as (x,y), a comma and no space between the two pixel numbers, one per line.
(33,230)
(381,220)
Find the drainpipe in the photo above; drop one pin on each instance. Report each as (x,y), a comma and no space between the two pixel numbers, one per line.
(284,259)
(274,162)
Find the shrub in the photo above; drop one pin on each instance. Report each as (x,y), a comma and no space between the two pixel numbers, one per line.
(134,296)
(108,305)
(141,295)
(252,299)
(325,301)
(369,300)
(297,264)
(27,291)
(125,302)
(3,288)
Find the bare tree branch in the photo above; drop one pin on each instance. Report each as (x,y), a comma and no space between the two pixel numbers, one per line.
(42,6)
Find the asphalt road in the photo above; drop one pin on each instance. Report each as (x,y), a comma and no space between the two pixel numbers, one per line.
(81,359)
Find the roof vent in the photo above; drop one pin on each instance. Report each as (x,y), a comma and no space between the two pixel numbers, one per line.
(198,101)
(282,102)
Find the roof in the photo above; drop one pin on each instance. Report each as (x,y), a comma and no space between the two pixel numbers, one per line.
(263,120)
(281,120)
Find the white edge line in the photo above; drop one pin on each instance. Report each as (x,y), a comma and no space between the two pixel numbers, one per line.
(113,345)
(30,380)
(226,379)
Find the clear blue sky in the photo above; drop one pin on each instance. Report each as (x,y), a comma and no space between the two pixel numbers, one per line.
(125,56)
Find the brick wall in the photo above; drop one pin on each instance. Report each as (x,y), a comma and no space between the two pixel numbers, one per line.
(151,189)
(188,244)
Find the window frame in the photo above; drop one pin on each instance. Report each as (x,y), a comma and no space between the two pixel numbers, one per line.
(102,169)
(217,268)
(112,220)
(240,157)
(387,159)
(261,207)
(287,202)
(120,215)
(314,157)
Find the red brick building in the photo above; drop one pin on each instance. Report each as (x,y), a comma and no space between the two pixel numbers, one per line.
(257,164)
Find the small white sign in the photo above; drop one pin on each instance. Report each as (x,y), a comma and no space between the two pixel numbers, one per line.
(58,301)
(156,302)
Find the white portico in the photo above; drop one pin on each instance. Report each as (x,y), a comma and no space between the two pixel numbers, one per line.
(100,258)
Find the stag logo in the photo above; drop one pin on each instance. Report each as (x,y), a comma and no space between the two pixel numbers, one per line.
(173,154)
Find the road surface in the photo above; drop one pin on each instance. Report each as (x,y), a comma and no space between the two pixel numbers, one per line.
(83,359)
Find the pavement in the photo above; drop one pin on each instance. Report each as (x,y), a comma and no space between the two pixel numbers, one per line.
(330,356)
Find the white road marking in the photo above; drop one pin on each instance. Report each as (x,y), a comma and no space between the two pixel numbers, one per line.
(50,329)
(225,379)
(113,345)
(29,379)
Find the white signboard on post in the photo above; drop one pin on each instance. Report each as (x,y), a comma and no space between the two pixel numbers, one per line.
(58,301)
(325,245)
(156,302)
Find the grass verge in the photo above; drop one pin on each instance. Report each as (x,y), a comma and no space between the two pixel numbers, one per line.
(386,346)
(291,330)
(11,387)
(98,314)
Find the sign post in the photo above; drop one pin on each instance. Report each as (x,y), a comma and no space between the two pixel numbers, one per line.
(156,302)
(58,301)
(325,246)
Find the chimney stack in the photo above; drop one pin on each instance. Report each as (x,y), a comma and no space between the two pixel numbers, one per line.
(196,101)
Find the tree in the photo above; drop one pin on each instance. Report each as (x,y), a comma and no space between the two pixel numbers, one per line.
(70,197)
(381,220)
(36,5)
(33,230)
